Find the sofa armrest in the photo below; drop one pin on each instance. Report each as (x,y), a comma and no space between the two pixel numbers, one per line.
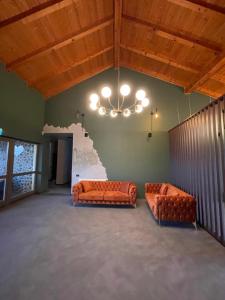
(77,189)
(177,205)
(153,188)
(132,192)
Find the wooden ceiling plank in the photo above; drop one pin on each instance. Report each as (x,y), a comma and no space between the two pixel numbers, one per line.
(175,35)
(67,68)
(166,78)
(36,12)
(77,80)
(60,43)
(201,6)
(213,67)
(161,58)
(218,77)
(151,73)
(208,93)
(117,31)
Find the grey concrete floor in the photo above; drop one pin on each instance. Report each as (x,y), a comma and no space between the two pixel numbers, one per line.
(52,250)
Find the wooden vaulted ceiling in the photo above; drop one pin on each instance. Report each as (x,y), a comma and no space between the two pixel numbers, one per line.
(55,44)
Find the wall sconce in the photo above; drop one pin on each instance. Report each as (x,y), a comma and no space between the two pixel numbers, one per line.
(153,114)
(82,116)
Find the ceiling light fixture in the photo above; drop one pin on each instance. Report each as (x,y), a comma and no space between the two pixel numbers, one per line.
(115,106)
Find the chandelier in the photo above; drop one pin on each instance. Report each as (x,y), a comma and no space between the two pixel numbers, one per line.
(114,107)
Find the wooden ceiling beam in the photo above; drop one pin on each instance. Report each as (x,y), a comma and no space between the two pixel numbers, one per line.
(36,12)
(177,35)
(75,81)
(117,31)
(161,58)
(60,43)
(66,68)
(201,6)
(212,68)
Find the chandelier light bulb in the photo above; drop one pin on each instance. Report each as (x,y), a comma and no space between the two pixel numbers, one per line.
(145,102)
(125,90)
(102,110)
(156,115)
(113,113)
(138,108)
(126,112)
(140,95)
(94,98)
(106,92)
(93,106)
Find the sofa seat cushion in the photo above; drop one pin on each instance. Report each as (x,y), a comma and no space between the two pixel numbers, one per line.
(92,195)
(116,196)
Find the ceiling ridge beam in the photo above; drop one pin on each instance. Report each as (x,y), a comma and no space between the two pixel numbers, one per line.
(161,58)
(36,12)
(60,43)
(77,80)
(175,35)
(201,6)
(212,68)
(66,68)
(117,31)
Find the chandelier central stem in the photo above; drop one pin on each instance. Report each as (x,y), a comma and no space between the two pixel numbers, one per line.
(118,87)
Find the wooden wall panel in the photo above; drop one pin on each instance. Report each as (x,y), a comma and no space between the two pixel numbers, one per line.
(197,148)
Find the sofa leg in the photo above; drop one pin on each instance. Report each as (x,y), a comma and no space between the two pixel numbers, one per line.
(195,225)
(134,205)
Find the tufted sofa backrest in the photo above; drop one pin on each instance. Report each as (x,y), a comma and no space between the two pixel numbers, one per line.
(107,185)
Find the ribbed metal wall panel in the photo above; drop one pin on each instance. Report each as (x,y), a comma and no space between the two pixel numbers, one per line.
(197,150)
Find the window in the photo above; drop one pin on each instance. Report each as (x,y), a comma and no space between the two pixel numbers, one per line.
(4,145)
(24,157)
(17,168)
(22,184)
(24,168)
(2,189)
(3,157)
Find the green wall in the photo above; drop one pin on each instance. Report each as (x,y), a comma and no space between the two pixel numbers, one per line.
(22,112)
(21,108)
(121,143)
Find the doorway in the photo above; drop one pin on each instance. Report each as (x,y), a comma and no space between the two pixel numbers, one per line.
(60,163)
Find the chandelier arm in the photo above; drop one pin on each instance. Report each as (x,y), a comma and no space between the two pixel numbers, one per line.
(132,105)
(122,103)
(110,103)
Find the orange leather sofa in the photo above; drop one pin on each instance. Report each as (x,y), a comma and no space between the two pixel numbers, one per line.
(168,203)
(105,192)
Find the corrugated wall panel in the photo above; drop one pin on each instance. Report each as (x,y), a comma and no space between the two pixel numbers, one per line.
(197,148)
